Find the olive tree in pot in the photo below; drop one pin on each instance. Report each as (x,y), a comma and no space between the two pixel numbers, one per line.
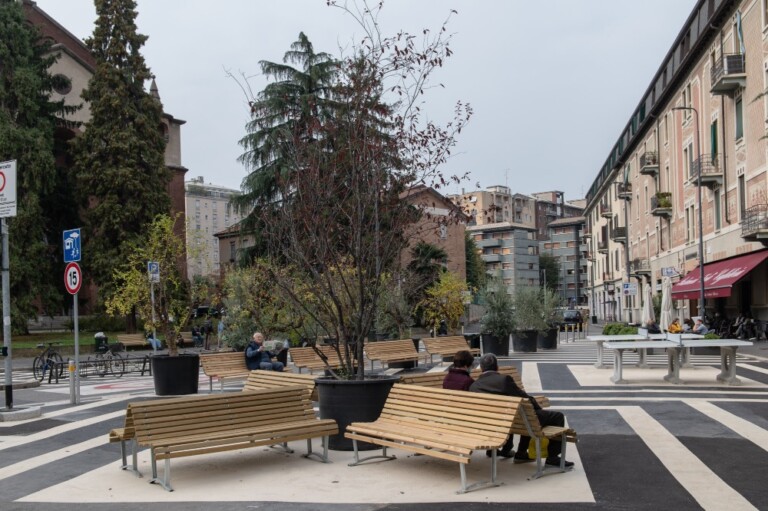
(529,316)
(547,339)
(338,181)
(167,310)
(497,323)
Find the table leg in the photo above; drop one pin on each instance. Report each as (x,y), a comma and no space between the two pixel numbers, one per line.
(641,363)
(618,365)
(673,365)
(728,366)
(686,361)
(599,364)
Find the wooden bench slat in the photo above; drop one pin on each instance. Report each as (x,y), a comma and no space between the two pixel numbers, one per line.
(447,346)
(387,352)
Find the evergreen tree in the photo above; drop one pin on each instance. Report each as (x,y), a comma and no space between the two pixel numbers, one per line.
(121,172)
(476,275)
(549,265)
(27,124)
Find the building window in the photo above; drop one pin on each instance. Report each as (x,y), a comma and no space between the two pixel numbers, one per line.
(62,84)
(666,126)
(718,223)
(742,197)
(738,108)
(689,234)
(688,161)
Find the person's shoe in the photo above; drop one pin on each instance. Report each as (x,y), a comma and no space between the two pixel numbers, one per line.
(500,454)
(555,462)
(522,459)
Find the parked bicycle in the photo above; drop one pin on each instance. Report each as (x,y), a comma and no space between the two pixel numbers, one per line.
(47,362)
(107,359)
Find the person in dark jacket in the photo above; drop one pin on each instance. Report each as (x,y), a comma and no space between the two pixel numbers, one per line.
(458,377)
(256,357)
(492,382)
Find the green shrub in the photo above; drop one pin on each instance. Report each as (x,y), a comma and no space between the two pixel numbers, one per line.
(619,329)
(711,335)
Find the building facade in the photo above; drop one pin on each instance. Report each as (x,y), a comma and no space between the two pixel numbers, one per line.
(566,243)
(688,175)
(209,211)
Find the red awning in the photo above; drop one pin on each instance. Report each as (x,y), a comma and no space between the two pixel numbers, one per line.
(718,277)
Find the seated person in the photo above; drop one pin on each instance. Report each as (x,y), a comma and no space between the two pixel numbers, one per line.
(492,382)
(700,328)
(197,337)
(154,341)
(688,325)
(675,327)
(256,357)
(458,377)
(653,328)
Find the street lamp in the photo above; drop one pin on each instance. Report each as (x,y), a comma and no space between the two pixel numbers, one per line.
(701,222)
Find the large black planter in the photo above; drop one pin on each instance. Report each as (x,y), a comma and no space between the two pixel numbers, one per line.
(348,401)
(473,340)
(499,346)
(547,340)
(525,340)
(176,376)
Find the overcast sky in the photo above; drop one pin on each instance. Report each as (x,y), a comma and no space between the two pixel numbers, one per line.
(552,84)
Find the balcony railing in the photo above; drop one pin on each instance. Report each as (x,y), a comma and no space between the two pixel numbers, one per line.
(488,242)
(607,276)
(602,246)
(624,190)
(711,172)
(640,267)
(728,74)
(661,204)
(754,226)
(649,163)
(605,210)
(619,234)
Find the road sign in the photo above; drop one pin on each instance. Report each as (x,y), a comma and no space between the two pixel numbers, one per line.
(153,268)
(7,188)
(629,289)
(73,278)
(669,271)
(72,246)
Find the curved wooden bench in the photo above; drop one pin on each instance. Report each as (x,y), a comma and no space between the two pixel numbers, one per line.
(447,346)
(223,366)
(444,424)
(307,358)
(391,351)
(260,380)
(132,340)
(182,427)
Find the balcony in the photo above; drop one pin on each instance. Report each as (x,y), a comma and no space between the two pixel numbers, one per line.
(602,246)
(649,163)
(488,242)
(754,226)
(491,258)
(590,256)
(711,172)
(607,276)
(605,211)
(728,75)
(661,204)
(624,190)
(619,234)
(640,267)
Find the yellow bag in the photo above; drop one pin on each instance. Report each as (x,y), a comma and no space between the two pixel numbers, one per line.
(532,448)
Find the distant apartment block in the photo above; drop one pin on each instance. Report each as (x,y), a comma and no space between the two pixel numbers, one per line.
(209,211)
(566,243)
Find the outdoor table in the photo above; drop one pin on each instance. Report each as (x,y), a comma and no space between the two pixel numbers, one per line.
(686,355)
(600,339)
(619,347)
(727,347)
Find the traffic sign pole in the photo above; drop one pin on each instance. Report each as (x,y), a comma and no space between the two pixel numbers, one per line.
(73,279)
(7,316)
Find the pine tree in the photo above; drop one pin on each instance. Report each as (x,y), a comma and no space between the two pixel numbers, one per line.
(27,124)
(121,172)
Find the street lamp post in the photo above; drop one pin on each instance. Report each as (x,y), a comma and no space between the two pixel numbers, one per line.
(702,310)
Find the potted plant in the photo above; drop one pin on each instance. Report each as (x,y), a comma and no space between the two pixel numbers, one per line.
(547,339)
(496,324)
(530,315)
(162,304)
(339,187)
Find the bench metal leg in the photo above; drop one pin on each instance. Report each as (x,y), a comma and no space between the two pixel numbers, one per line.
(324,456)
(480,484)
(165,482)
(283,446)
(358,461)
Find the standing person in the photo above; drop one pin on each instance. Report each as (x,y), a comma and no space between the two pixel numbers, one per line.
(207,330)
(491,382)
(221,332)
(256,357)
(458,377)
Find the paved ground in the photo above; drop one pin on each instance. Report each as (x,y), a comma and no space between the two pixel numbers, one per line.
(644,445)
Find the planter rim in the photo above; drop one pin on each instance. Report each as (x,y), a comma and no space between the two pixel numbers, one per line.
(329,380)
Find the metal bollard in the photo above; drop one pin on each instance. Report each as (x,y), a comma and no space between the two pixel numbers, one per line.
(71,369)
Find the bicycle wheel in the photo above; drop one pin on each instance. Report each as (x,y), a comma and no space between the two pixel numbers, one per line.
(56,363)
(116,365)
(99,365)
(38,368)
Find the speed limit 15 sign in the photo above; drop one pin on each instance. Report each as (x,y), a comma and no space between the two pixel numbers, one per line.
(73,278)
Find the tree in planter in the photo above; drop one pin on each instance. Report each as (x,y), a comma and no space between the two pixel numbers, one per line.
(172,294)
(444,301)
(497,320)
(533,308)
(550,267)
(343,209)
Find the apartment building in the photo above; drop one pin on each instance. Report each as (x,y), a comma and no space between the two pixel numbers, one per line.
(565,242)
(688,174)
(551,206)
(209,211)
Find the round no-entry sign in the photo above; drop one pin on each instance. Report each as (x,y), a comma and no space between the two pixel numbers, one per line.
(72,278)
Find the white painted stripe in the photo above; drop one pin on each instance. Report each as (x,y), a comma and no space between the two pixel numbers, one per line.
(754,368)
(66,411)
(704,486)
(743,428)
(531,377)
(49,457)
(13,441)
